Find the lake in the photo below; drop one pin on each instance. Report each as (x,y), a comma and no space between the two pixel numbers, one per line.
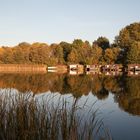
(116,97)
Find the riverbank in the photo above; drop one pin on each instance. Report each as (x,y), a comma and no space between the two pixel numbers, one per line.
(9,68)
(72,69)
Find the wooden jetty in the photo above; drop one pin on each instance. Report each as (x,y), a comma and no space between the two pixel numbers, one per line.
(16,68)
(58,69)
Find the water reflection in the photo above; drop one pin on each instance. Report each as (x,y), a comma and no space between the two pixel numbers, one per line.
(129,97)
(126,90)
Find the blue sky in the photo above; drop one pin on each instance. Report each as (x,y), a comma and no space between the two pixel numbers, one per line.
(64,20)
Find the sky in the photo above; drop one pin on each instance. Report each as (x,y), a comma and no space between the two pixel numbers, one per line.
(53,21)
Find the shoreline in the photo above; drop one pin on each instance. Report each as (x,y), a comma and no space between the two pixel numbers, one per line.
(22,68)
(72,68)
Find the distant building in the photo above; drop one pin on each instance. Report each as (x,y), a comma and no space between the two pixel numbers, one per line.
(133,67)
(75,69)
(113,67)
(93,68)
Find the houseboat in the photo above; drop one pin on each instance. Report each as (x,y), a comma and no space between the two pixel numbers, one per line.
(76,69)
(133,67)
(93,69)
(113,67)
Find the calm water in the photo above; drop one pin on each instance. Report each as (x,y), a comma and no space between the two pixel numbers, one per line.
(118,97)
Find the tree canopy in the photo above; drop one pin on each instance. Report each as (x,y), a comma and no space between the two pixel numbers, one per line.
(128,35)
(133,54)
(128,39)
(125,49)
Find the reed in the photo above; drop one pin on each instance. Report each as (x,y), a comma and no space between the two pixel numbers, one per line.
(24,117)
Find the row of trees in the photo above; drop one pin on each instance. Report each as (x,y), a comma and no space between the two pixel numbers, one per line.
(125,49)
(63,53)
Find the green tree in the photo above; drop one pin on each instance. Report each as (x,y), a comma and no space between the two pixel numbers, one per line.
(102,42)
(77,43)
(66,49)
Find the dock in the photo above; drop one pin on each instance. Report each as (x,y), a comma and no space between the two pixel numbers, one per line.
(18,68)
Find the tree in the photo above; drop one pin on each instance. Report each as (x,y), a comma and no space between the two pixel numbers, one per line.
(128,35)
(39,53)
(102,42)
(133,53)
(18,55)
(77,43)
(111,55)
(126,39)
(59,54)
(82,50)
(7,56)
(95,55)
(66,49)
(73,56)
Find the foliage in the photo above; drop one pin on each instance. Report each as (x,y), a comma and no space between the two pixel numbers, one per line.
(66,49)
(133,54)
(95,55)
(73,56)
(102,42)
(123,50)
(129,98)
(111,55)
(128,35)
(126,39)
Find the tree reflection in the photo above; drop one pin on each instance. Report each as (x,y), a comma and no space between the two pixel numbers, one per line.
(126,90)
(129,98)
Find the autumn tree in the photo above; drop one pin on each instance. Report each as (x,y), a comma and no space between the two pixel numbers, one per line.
(111,55)
(133,53)
(1,55)
(39,53)
(73,56)
(26,51)
(130,98)
(84,53)
(128,35)
(126,39)
(59,54)
(82,50)
(7,56)
(95,55)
